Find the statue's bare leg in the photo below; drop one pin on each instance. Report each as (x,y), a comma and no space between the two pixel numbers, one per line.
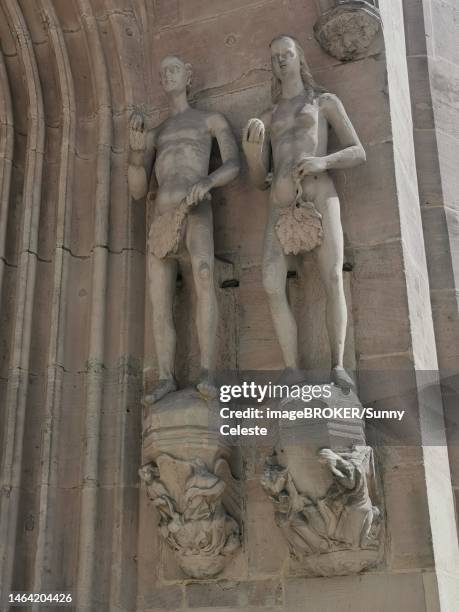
(275,268)
(162,275)
(200,245)
(330,262)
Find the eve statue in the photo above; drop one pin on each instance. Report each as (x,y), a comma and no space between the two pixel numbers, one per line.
(304,209)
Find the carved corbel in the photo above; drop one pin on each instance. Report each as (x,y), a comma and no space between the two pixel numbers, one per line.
(339,532)
(347,30)
(188,480)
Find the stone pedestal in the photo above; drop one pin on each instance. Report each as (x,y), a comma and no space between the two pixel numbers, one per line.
(75,315)
(321,481)
(188,479)
(184,421)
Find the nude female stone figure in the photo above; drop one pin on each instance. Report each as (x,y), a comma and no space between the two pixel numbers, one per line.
(180,149)
(295,129)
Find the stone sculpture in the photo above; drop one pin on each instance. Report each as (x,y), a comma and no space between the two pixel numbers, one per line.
(348,510)
(195,524)
(339,532)
(296,128)
(347,30)
(182,221)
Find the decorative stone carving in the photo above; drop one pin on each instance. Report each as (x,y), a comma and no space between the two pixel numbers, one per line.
(299,228)
(188,478)
(325,493)
(182,225)
(196,524)
(347,31)
(304,209)
(345,519)
(166,232)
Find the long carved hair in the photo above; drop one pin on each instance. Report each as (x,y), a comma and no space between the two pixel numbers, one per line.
(313,88)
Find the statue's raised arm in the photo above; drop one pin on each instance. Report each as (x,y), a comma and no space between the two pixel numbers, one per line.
(141,153)
(256,145)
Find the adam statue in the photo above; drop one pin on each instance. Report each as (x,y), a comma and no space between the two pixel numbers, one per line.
(304,211)
(182,224)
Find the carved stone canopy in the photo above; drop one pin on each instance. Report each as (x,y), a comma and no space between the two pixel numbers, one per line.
(347,30)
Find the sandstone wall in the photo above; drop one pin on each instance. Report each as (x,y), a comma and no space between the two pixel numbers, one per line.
(433,73)
(75,322)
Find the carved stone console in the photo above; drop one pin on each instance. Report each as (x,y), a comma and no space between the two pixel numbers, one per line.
(347,30)
(189,481)
(321,482)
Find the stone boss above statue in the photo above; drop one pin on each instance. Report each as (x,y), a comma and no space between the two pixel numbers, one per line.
(182,221)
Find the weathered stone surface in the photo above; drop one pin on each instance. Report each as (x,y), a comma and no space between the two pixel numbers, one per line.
(448,148)
(338,533)
(429,29)
(347,30)
(189,482)
(407,517)
(444,80)
(367,221)
(263,536)
(381,592)
(258,347)
(421,101)
(70,415)
(444,16)
(430,188)
(414,25)
(380,320)
(162,598)
(324,490)
(349,82)
(213,595)
(265,593)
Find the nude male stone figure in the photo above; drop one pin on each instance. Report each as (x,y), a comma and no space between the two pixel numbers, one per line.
(296,127)
(180,150)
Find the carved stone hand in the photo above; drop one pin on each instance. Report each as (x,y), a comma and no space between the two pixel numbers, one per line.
(137,133)
(253,137)
(309,165)
(199,192)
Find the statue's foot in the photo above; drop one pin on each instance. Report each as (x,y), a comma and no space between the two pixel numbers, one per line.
(341,378)
(164,386)
(206,385)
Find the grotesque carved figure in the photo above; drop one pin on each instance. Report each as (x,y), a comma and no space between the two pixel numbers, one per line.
(195,524)
(347,31)
(304,210)
(345,519)
(182,222)
(347,508)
